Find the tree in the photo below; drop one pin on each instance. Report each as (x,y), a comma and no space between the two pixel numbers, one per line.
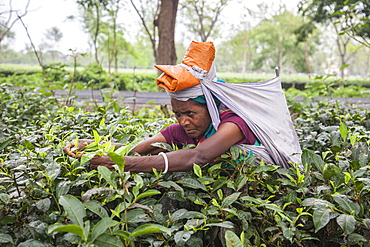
(54,35)
(166,32)
(236,53)
(113,34)
(275,41)
(352,17)
(201,16)
(159,23)
(92,15)
(7,20)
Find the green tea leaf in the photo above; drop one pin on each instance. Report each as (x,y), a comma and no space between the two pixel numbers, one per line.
(346,204)
(240,181)
(178,214)
(197,170)
(309,202)
(53,170)
(108,240)
(345,65)
(321,217)
(43,204)
(181,237)
(87,157)
(118,159)
(97,137)
(251,199)
(192,183)
(28,145)
(347,223)
(124,150)
(62,188)
(150,228)
(5,238)
(194,223)
(168,184)
(235,152)
(96,208)
(75,229)
(232,240)
(265,168)
(100,190)
(123,234)
(230,199)
(33,243)
(162,145)
(139,180)
(74,209)
(224,224)
(101,227)
(219,183)
(355,238)
(312,159)
(147,193)
(4,197)
(343,130)
(272,207)
(107,175)
(4,144)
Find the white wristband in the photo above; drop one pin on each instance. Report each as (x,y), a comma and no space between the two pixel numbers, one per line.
(165,162)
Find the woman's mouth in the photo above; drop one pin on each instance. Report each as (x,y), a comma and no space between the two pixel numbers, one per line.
(189,132)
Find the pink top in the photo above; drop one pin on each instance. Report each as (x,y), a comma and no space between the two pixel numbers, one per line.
(175,134)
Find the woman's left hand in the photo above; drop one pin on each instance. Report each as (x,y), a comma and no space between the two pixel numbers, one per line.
(101,161)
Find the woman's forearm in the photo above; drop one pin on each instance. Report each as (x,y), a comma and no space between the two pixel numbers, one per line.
(180,160)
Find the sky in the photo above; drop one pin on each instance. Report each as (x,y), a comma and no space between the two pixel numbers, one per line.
(45,14)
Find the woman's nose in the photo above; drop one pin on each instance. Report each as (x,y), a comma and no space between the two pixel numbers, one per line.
(183,121)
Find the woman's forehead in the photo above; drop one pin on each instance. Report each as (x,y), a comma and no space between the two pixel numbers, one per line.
(183,105)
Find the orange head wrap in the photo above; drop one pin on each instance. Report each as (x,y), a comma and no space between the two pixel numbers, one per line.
(175,77)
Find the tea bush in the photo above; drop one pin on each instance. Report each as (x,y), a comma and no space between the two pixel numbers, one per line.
(91,77)
(50,199)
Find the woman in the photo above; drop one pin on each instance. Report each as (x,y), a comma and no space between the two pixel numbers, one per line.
(193,122)
(193,87)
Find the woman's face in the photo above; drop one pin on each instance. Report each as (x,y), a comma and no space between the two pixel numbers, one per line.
(192,116)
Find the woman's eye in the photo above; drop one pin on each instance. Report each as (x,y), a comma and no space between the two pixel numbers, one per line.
(190,114)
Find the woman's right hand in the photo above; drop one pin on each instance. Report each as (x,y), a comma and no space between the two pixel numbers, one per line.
(74,151)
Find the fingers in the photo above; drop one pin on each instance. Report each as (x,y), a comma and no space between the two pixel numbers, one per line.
(96,161)
(74,151)
(70,149)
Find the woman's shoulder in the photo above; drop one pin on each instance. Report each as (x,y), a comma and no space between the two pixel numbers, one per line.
(228,114)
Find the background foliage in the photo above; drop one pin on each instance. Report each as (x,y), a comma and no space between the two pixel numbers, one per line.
(319,37)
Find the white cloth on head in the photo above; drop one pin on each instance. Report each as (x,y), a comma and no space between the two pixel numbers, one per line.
(187,93)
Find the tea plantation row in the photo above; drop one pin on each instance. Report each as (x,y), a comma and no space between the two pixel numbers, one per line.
(49,199)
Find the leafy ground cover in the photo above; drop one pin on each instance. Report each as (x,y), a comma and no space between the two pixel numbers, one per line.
(49,199)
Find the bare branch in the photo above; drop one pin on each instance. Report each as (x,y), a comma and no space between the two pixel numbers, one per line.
(9,23)
(152,37)
(37,55)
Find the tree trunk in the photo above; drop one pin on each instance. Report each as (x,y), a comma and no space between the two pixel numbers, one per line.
(115,49)
(96,34)
(308,68)
(166,51)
